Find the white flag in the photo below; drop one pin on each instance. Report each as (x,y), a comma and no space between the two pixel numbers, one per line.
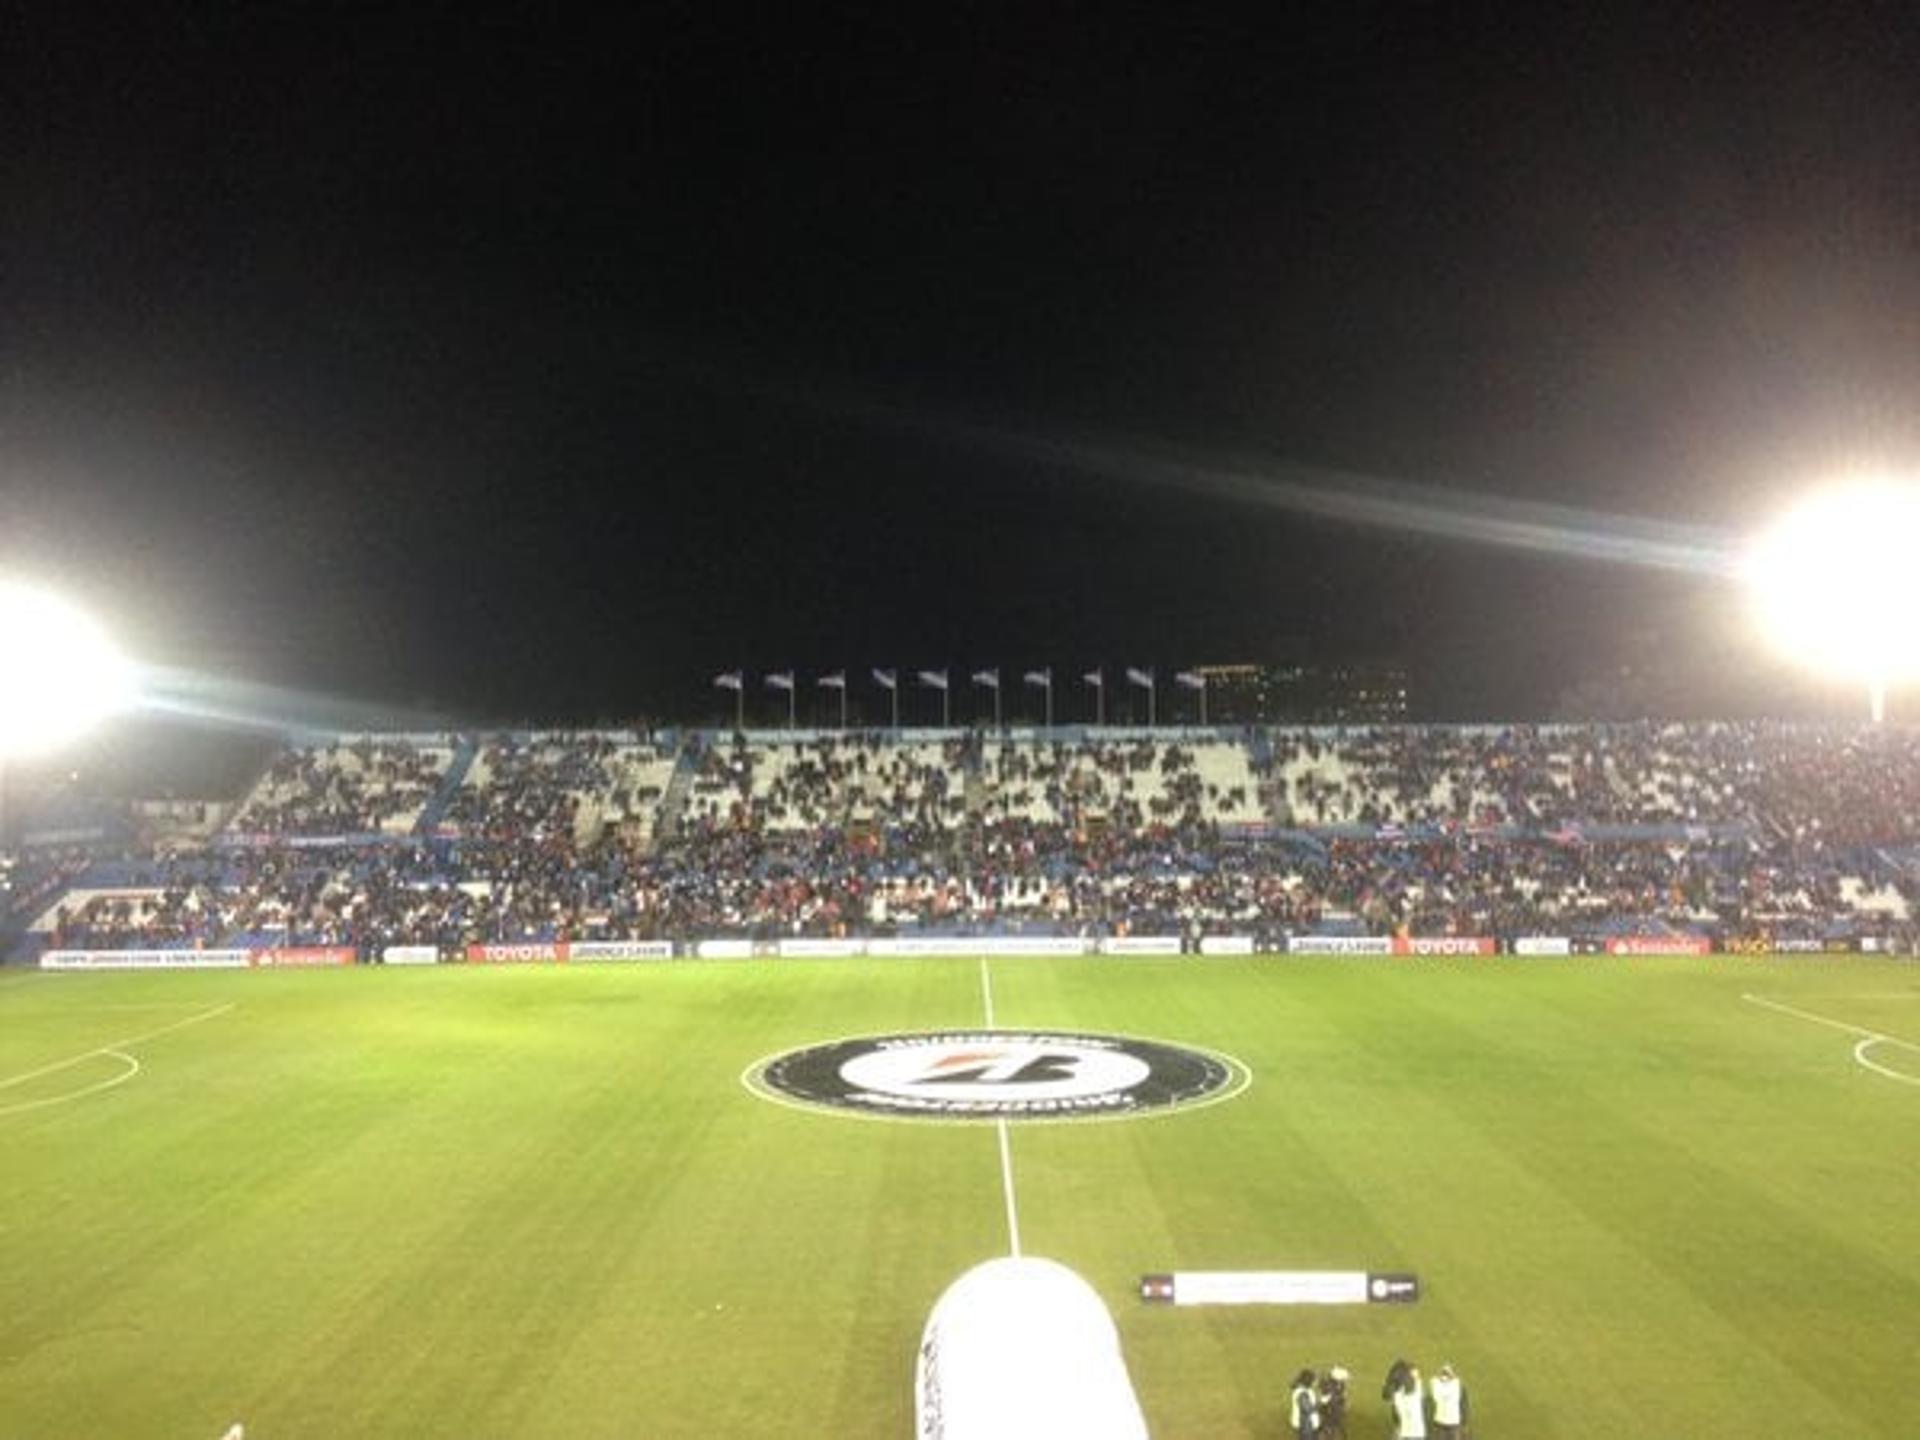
(781,680)
(835,681)
(1043,678)
(1142,678)
(1192,679)
(988,678)
(886,679)
(934,679)
(730,680)
(1094,678)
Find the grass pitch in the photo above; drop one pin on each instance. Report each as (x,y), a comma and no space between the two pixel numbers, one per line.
(539,1202)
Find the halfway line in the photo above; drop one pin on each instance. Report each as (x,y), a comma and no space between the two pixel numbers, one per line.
(1006,1185)
(1006,1151)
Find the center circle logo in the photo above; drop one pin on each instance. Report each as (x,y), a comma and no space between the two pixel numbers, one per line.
(997,1075)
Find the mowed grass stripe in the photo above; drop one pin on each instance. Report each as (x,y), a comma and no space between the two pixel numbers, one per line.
(1552,1219)
(515,1261)
(799,1262)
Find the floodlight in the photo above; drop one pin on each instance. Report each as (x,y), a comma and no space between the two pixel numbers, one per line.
(1836,584)
(61,672)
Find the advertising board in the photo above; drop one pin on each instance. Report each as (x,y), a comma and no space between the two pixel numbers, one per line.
(1340,945)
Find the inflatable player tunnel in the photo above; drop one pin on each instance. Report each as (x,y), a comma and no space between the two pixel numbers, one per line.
(1023,1349)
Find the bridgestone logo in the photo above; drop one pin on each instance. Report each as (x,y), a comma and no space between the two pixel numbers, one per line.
(998,1075)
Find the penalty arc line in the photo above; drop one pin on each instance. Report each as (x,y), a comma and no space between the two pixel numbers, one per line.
(1000,1126)
(1860,1054)
(132,1069)
(114,1045)
(1868,1038)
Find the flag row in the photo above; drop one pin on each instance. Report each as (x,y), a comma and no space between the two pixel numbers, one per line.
(941,679)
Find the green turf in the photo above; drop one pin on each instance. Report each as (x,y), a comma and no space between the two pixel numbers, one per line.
(538,1201)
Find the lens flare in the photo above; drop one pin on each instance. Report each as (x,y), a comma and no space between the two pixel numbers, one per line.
(62,674)
(1836,582)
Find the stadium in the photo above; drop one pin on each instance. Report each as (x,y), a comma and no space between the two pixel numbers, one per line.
(450,1112)
(984,723)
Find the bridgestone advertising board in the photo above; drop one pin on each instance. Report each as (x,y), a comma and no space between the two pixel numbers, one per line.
(1340,945)
(596,950)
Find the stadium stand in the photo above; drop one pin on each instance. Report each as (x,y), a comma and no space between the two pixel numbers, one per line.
(1724,831)
(361,785)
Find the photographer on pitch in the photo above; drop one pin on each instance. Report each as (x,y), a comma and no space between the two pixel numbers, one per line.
(1406,1398)
(1303,1407)
(1333,1403)
(1449,1398)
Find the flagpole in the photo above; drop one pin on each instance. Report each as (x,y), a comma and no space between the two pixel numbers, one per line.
(996,699)
(792,690)
(1152,696)
(1203,702)
(740,704)
(843,700)
(1049,688)
(896,702)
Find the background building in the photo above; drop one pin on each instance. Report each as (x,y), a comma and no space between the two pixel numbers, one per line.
(1349,693)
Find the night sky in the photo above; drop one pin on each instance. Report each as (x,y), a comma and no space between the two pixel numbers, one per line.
(532,368)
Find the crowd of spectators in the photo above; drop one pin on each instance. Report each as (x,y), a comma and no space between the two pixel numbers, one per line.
(1781,831)
(361,786)
(531,787)
(1133,784)
(1843,784)
(1026,877)
(858,778)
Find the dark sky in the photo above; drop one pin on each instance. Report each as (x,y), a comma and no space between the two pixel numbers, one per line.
(537,367)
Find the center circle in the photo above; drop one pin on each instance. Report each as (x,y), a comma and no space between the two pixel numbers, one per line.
(997,1075)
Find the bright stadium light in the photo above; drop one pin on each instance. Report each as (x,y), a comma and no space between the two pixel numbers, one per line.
(61,672)
(1836,585)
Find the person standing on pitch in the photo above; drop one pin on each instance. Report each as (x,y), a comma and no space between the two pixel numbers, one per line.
(1333,1403)
(1410,1407)
(1303,1407)
(1395,1382)
(1449,1404)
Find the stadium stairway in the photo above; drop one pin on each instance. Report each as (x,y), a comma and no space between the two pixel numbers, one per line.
(673,803)
(1260,749)
(465,750)
(973,789)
